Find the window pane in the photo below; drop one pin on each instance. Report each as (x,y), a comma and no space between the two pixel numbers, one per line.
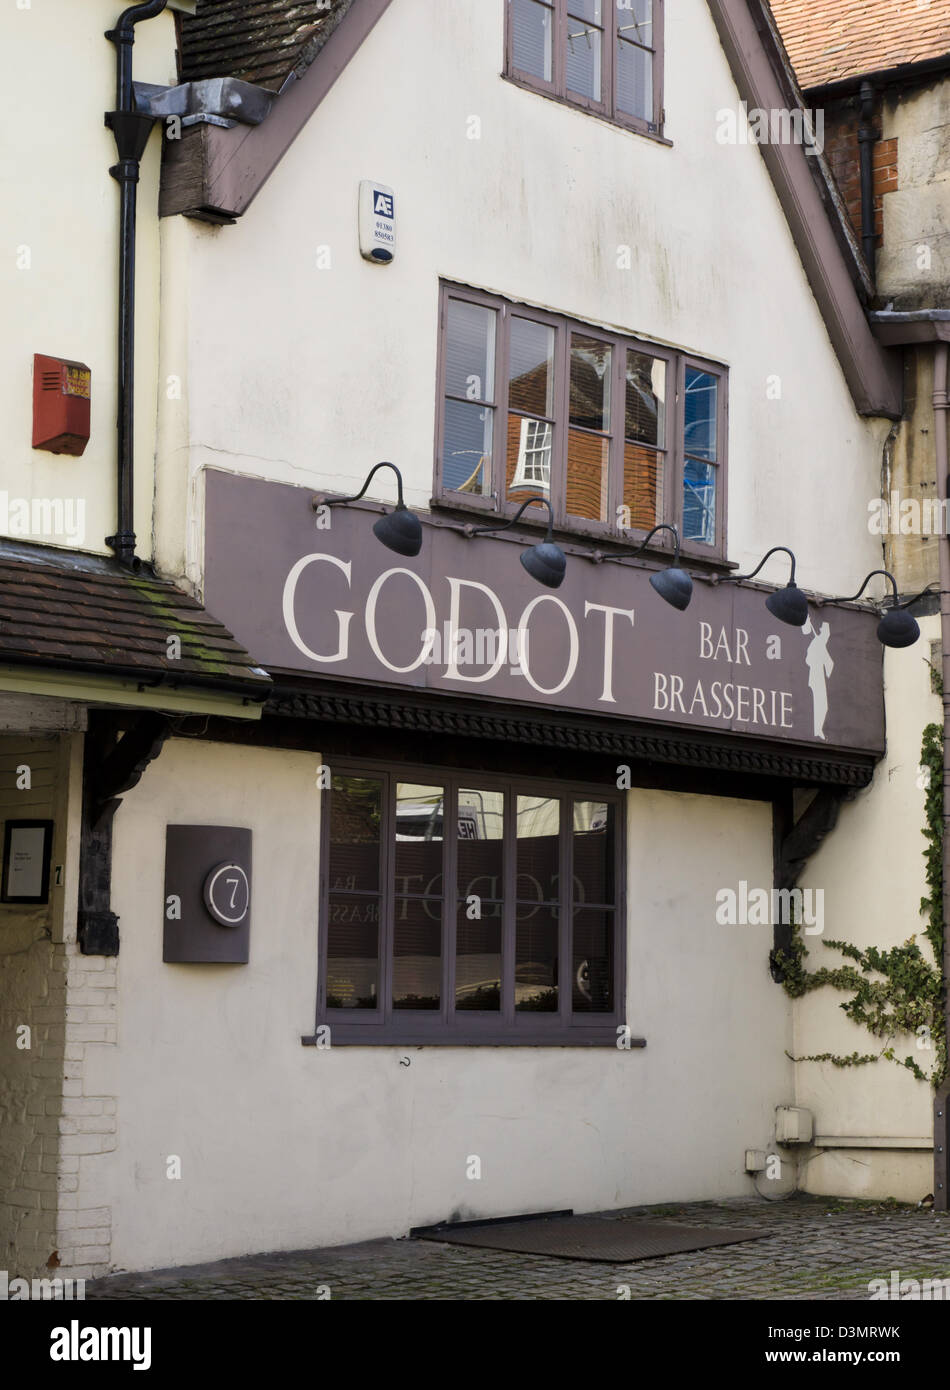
(466,448)
(635,21)
(352,952)
(355,812)
(592,984)
(418,838)
(642,487)
(584,49)
(586,9)
(531,31)
(594,873)
(531,367)
(481,821)
(590,383)
(478,958)
(588,458)
(528,462)
(539,821)
(536,961)
(645,403)
(470,351)
(702,395)
(634,80)
(699,502)
(417,954)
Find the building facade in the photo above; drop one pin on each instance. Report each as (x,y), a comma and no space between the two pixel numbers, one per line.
(420,873)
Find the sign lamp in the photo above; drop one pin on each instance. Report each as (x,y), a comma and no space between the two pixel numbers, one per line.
(545,562)
(400,530)
(672,584)
(897,628)
(789,605)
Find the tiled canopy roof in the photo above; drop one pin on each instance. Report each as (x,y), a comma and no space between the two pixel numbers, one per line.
(65,611)
(833,40)
(259,41)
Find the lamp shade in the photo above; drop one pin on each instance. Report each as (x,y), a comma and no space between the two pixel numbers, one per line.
(400,530)
(545,562)
(897,629)
(674,585)
(789,605)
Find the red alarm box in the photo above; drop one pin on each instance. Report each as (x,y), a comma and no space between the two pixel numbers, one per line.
(61,399)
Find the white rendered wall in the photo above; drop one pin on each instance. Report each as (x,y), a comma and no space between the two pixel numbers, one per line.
(311,375)
(283,1146)
(872,871)
(59,229)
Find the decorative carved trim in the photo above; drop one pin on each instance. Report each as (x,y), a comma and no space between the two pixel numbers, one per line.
(563,731)
(110,765)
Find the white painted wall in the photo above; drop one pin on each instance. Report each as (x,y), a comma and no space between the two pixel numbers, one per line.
(872,871)
(59,211)
(284,1146)
(311,376)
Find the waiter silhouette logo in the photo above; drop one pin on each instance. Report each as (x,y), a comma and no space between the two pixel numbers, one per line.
(820,667)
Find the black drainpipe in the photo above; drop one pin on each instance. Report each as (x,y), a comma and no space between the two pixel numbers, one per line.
(131,129)
(867,135)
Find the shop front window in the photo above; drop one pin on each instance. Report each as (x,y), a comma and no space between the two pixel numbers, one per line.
(470,909)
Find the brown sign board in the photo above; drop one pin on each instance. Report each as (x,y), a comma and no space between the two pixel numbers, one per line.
(464,617)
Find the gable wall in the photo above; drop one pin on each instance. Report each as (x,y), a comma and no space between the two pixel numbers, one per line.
(311,375)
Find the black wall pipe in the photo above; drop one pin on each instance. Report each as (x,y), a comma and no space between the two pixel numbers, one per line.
(131,129)
(867,135)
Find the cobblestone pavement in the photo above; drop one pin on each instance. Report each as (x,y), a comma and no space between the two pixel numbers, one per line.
(811,1248)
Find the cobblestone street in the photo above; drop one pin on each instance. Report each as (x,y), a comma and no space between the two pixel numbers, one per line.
(811,1248)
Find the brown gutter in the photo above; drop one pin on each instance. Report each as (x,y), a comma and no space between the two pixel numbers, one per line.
(901,75)
(765,80)
(941,406)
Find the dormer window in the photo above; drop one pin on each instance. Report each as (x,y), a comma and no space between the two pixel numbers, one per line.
(604,56)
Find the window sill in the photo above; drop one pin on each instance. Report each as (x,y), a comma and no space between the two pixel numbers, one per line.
(591,112)
(350,1036)
(578,540)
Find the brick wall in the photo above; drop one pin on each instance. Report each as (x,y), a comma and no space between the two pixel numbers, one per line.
(86,1121)
(53,1127)
(32,1031)
(842,151)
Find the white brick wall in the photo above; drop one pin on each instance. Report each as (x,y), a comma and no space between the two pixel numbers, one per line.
(86,1124)
(52,1131)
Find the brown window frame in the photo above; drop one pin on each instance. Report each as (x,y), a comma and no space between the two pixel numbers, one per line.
(557,89)
(674,449)
(447,1026)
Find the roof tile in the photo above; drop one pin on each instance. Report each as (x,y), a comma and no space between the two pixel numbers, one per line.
(833,40)
(56,612)
(259,41)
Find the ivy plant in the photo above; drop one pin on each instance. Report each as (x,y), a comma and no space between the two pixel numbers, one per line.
(897,992)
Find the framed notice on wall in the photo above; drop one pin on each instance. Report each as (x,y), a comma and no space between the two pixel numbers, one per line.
(27,845)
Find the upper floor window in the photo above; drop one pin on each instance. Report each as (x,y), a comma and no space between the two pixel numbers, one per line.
(602,55)
(616,433)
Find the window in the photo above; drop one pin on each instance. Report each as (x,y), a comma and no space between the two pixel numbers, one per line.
(466,908)
(618,435)
(604,56)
